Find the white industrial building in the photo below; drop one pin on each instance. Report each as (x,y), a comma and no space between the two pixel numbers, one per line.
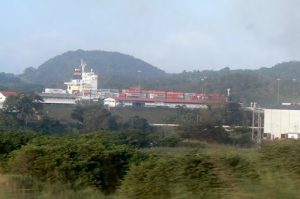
(59,98)
(152,102)
(283,122)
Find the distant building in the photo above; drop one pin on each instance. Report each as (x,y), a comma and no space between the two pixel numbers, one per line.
(159,98)
(107,93)
(4,95)
(282,122)
(111,102)
(172,95)
(152,102)
(55,91)
(59,98)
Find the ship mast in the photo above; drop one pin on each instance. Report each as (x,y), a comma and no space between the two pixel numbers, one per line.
(83,65)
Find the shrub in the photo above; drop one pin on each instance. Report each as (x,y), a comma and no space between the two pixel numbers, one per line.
(81,162)
(166,177)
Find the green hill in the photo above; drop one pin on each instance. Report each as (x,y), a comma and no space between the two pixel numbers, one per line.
(12,82)
(114,69)
(285,70)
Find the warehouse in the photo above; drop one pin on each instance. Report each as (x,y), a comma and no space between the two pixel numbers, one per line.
(152,102)
(58,98)
(282,122)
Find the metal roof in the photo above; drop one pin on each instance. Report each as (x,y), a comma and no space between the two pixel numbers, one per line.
(58,95)
(8,93)
(167,100)
(285,107)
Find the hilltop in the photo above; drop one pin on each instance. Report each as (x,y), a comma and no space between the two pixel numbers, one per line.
(114,69)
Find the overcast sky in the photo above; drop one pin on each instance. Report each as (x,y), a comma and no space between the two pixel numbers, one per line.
(174,35)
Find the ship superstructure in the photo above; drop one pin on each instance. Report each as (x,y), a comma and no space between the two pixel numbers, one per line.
(83,83)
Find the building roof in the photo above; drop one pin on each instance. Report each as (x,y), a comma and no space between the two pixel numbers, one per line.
(58,95)
(167,100)
(8,93)
(284,107)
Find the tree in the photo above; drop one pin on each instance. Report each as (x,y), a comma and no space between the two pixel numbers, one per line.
(48,126)
(137,122)
(25,106)
(137,138)
(83,161)
(234,114)
(8,122)
(94,118)
(205,132)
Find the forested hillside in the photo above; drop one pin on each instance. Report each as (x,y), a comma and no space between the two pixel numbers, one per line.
(13,82)
(262,85)
(117,70)
(285,70)
(114,69)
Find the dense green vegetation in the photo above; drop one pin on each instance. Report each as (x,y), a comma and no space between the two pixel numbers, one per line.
(98,155)
(14,83)
(24,111)
(96,166)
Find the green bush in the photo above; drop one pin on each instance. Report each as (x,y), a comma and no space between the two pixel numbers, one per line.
(189,176)
(80,161)
(242,167)
(282,154)
(10,141)
(172,140)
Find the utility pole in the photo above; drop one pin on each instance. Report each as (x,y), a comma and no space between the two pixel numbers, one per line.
(278,80)
(139,78)
(253,105)
(203,86)
(294,91)
(259,130)
(257,133)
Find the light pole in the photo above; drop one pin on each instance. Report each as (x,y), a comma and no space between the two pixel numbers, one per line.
(294,90)
(203,86)
(278,80)
(139,78)
(202,80)
(253,106)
